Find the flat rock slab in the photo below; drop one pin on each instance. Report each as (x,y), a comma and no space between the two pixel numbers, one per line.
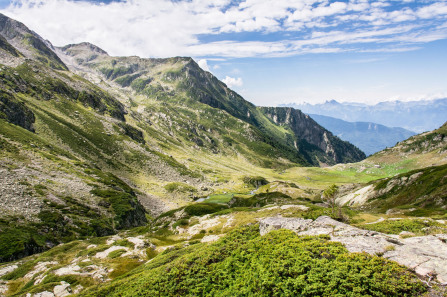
(426,255)
(7,269)
(41,294)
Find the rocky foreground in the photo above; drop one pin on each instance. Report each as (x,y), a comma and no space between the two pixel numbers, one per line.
(426,255)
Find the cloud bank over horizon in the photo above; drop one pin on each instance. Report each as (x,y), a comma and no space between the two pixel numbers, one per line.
(224,28)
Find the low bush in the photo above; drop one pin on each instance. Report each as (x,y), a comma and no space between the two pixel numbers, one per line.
(128,211)
(200,209)
(259,200)
(116,253)
(181,222)
(243,263)
(179,187)
(255,181)
(418,227)
(124,242)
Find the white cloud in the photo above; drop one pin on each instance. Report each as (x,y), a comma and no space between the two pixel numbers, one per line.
(161,28)
(203,63)
(432,11)
(232,81)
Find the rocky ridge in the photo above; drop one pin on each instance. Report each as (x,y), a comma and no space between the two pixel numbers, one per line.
(176,76)
(310,136)
(28,43)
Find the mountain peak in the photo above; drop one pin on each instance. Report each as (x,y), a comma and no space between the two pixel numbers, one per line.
(83,47)
(10,28)
(332,102)
(29,43)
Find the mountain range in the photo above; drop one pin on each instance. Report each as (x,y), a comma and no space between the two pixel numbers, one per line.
(128,176)
(369,137)
(417,116)
(92,149)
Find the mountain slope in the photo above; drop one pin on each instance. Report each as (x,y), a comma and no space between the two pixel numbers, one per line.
(420,190)
(319,145)
(29,43)
(81,156)
(367,136)
(426,149)
(180,80)
(52,188)
(418,116)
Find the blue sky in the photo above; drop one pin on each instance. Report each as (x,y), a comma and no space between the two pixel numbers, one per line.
(270,51)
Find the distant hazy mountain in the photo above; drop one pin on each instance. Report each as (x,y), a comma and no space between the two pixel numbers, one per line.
(418,116)
(369,137)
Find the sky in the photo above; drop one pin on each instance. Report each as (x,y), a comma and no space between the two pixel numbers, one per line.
(269,51)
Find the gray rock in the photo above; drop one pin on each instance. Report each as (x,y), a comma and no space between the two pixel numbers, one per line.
(406,234)
(62,290)
(42,294)
(3,288)
(7,269)
(275,223)
(426,255)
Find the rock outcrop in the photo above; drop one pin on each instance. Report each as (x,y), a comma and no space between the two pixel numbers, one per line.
(426,255)
(311,136)
(421,188)
(16,112)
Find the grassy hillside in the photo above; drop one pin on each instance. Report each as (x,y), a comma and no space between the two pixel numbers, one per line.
(421,192)
(423,150)
(51,196)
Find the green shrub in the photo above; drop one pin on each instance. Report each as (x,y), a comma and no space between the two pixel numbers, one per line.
(124,205)
(40,189)
(124,242)
(18,241)
(132,132)
(50,218)
(278,264)
(259,200)
(179,187)
(200,209)
(116,253)
(255,181)
(181,222)
(419,227)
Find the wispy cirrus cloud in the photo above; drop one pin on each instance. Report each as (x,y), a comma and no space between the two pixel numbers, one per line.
(224,28)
